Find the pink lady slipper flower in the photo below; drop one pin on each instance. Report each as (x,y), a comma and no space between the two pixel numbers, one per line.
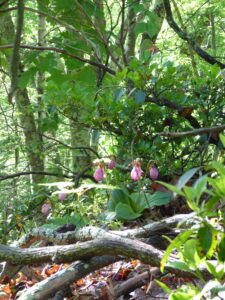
(112,164)
(136,171)
(99,174)
(45,208)
(153,172)
(62,196)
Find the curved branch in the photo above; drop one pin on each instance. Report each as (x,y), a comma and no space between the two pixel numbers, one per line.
(88,61)
(91,232)
(210,59)
(193,132)
(82,251)
(166,102)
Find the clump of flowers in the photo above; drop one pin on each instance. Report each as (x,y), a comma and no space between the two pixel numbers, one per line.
(136,171)
(45,208)
(62,196)
(153,171)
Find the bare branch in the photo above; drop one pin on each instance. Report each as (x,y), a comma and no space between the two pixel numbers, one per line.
(166,102)
(70,147)
(107,69)
(82,251)
(210,59)
(193,132)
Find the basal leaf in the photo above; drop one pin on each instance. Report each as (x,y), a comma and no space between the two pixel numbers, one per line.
(124,211)
(158,198)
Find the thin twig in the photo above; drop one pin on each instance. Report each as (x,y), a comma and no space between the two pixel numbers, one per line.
(195,132)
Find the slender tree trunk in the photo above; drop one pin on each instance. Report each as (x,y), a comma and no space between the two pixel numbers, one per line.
(79,137)
(33,140)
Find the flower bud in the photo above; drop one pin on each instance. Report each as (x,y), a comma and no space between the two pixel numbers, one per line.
(45,208)
(99,174)
(112,164)
(136,173)
(153,173)
(62,196)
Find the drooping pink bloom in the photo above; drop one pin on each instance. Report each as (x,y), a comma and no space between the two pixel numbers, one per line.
(99,174)
(112,164)
(153,173)
(45,208)
(62,196)
(136,173)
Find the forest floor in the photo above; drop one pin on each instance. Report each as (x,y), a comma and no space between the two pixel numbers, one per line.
(132,279)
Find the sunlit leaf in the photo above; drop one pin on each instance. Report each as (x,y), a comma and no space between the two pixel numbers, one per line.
(186,177)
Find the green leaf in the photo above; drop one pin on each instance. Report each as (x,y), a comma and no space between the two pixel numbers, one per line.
(172,188)
(124,211)
(176,243)
(140,28)
(186,177)
(151,29)
(164,286)
(190,194)
(180,295)
(222,138)
(139,97)
(218,185)
(86,76)
(216,270)
(118,94)
(221,250)
(118,196)
(189,251)
(140,201)
(26,77)
(219,167)
(180,265)
(158,198)
(206,241)
(77,220)
(200,186)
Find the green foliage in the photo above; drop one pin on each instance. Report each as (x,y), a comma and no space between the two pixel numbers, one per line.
(76,219)
(204,242)
(130,206)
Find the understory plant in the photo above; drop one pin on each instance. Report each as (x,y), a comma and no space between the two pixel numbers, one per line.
(202,246)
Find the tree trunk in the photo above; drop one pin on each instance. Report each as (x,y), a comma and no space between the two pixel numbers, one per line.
(33,140)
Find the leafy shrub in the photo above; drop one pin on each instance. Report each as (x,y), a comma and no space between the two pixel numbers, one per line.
(203,245)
